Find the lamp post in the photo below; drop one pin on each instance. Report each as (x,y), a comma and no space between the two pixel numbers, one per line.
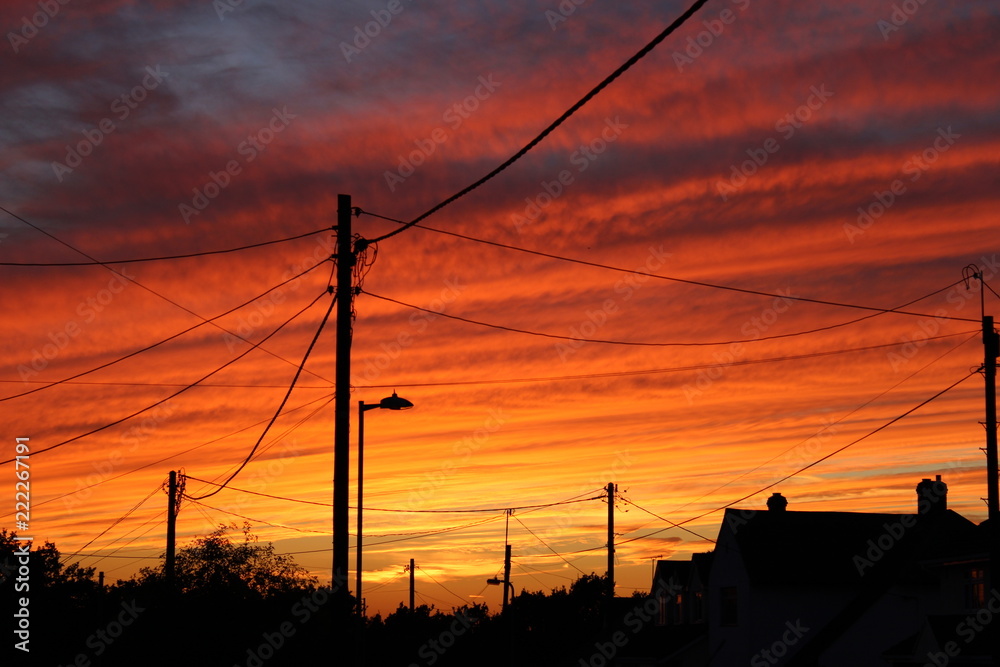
(393,402)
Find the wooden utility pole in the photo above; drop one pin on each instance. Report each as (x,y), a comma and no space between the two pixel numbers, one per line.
(413,568)
(612,488)
(506,576)
(990,345)
(342,401)
(171,527)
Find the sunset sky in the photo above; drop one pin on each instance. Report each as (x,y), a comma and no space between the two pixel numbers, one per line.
(843,152)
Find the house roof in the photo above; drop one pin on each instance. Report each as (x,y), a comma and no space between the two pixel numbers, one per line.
(678,570)
(837,547)
(703,564)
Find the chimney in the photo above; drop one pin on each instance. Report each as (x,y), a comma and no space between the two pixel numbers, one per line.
(777,503)
(932,497)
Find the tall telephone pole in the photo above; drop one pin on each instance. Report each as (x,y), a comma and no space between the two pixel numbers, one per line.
(506,576)
(169,565)
(990,345)
(612,488)
(413,591)
(991,350)
(342,401)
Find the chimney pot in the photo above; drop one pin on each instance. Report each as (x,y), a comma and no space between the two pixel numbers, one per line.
(932,497)
(777,503)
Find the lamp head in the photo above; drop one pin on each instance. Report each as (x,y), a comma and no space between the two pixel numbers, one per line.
(394,402)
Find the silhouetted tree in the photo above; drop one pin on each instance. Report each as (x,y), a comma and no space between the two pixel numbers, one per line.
(217,566)
(62,599)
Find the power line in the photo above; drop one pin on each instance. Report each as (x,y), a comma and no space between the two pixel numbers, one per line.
(253,520)
(175,394)
(385,509)
(431,577)
(570,563)
(639,55)
(987,285)
(545,572)
(152,522)
(328,398)
(138,284)
(113,555)
(204,385)
(204,253)
(796,472)
(281,406)
(820,459)
(834,423)
(685,281)
(675,525)
(435,532)
(115,522)
(161,342)
(547,378)
(654,371)
(580,339)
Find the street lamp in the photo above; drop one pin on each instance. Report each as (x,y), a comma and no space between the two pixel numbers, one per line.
(393,402)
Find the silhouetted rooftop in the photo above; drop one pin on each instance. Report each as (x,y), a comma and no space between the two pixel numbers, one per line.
(839,547)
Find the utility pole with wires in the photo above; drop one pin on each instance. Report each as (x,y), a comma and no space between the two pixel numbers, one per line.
(413,591)
(612,489)
(493,581)
(342,400)
(991,350)
(175,490)
(991,346)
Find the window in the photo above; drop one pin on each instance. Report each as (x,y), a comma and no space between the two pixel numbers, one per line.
(698,608)
(974,588)
(728,606)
